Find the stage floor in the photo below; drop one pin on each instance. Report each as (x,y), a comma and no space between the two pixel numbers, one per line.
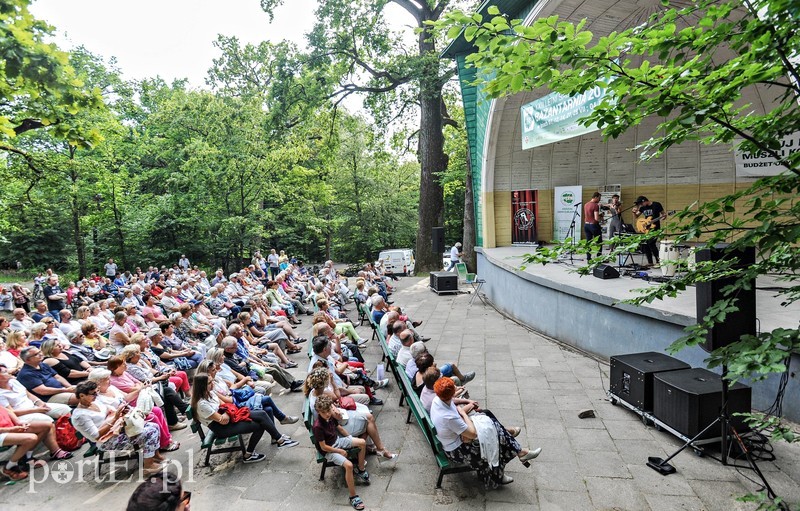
(680,310)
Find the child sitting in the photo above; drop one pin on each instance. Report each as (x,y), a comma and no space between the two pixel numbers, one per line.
(334,443)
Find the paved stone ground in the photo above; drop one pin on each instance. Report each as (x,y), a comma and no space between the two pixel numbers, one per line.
(525,379)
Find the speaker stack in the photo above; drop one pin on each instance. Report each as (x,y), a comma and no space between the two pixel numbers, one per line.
(632,376)
(444,282)
(671,393)
(437,240)
(736,324)
(690,399)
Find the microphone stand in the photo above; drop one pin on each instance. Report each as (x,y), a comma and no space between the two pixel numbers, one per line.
(571,233)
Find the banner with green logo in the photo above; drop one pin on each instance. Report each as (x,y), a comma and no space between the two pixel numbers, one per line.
(555,117)
(567,204)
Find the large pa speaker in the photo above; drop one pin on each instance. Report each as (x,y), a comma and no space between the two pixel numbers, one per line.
(632,376)
(437,239)
(690,399)
(444,282)
(738,323)
(605,272)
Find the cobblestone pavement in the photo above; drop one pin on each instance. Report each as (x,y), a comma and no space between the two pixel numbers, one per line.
(524,378)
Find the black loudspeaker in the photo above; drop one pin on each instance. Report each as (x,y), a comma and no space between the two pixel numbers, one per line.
(738,323)
(632,376)
(605,272)
(444,282)
(437,239)
(689,400)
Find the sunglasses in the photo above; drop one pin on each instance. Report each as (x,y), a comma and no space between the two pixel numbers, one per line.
(187,496)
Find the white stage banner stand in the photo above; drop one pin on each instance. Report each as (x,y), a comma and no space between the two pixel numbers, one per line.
(567,199)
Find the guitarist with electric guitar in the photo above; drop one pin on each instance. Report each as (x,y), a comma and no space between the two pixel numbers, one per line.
(648,215)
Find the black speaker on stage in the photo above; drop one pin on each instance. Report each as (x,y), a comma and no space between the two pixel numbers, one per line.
(437,239)
(605,272)
(632,376)
(738,323)
(690,399)
(444,282)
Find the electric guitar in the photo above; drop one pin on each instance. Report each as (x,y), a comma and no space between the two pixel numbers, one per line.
(645,224)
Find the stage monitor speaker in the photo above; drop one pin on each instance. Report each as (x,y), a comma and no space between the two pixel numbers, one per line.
(738,323)
(444,282)
(437,239)
(605,272)
(632,376)
(690,399)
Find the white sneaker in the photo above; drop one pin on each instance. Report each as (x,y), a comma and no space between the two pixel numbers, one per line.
(382,383)
(507,479)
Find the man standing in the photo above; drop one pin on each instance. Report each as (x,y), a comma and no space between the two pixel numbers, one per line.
(615,224)
(591,226)
(111,269)
(183,262)
(55,296)
(455,256)
(651,214)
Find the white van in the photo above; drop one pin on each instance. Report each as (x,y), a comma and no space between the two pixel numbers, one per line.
(399,261)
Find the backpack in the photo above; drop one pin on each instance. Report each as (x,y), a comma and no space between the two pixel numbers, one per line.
(66,435)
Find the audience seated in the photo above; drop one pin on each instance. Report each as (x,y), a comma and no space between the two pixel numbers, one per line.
(104,426)
(466,430)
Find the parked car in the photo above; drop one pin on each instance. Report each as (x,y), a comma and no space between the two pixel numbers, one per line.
(399,261)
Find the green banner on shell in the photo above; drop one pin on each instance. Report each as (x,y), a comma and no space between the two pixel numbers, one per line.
(555,117)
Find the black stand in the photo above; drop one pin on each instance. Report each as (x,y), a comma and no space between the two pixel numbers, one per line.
(571,233)
(663,467)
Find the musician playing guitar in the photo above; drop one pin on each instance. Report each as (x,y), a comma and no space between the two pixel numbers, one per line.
(648,216)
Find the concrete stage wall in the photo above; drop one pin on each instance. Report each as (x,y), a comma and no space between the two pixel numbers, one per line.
(587,320)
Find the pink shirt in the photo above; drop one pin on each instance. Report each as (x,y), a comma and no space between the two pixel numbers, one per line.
(126,383)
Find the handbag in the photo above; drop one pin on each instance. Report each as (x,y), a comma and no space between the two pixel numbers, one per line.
(347,402)
(144,402)
(134,423)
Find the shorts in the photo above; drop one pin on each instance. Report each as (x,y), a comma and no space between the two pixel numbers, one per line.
(343,442)
(446,370)
(2,437)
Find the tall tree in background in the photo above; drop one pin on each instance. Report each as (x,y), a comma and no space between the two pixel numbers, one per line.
(351,39)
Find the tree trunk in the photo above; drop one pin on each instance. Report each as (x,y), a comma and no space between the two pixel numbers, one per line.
(469,221)
(118,228)
(80,248)
(432,159)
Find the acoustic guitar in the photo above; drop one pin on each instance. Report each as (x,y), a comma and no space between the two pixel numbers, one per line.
(645,224)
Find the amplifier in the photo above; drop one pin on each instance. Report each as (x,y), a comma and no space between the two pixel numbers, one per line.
(632,376)
(444,282)
(690,399)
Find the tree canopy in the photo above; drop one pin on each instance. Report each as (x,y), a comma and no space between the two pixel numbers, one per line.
(144,171)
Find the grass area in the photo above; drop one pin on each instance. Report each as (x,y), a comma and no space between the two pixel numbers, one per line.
(16,278)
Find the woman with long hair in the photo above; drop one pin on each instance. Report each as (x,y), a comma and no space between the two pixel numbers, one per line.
(206,408)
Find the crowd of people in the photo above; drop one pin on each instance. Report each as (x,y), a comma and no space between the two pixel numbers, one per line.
(124,354)
(128,354)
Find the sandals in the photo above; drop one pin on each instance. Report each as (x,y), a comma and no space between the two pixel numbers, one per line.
(290,364)
(356,502)
(173,446)
(293,351)
(387,455)
(61,454)
(515,431)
